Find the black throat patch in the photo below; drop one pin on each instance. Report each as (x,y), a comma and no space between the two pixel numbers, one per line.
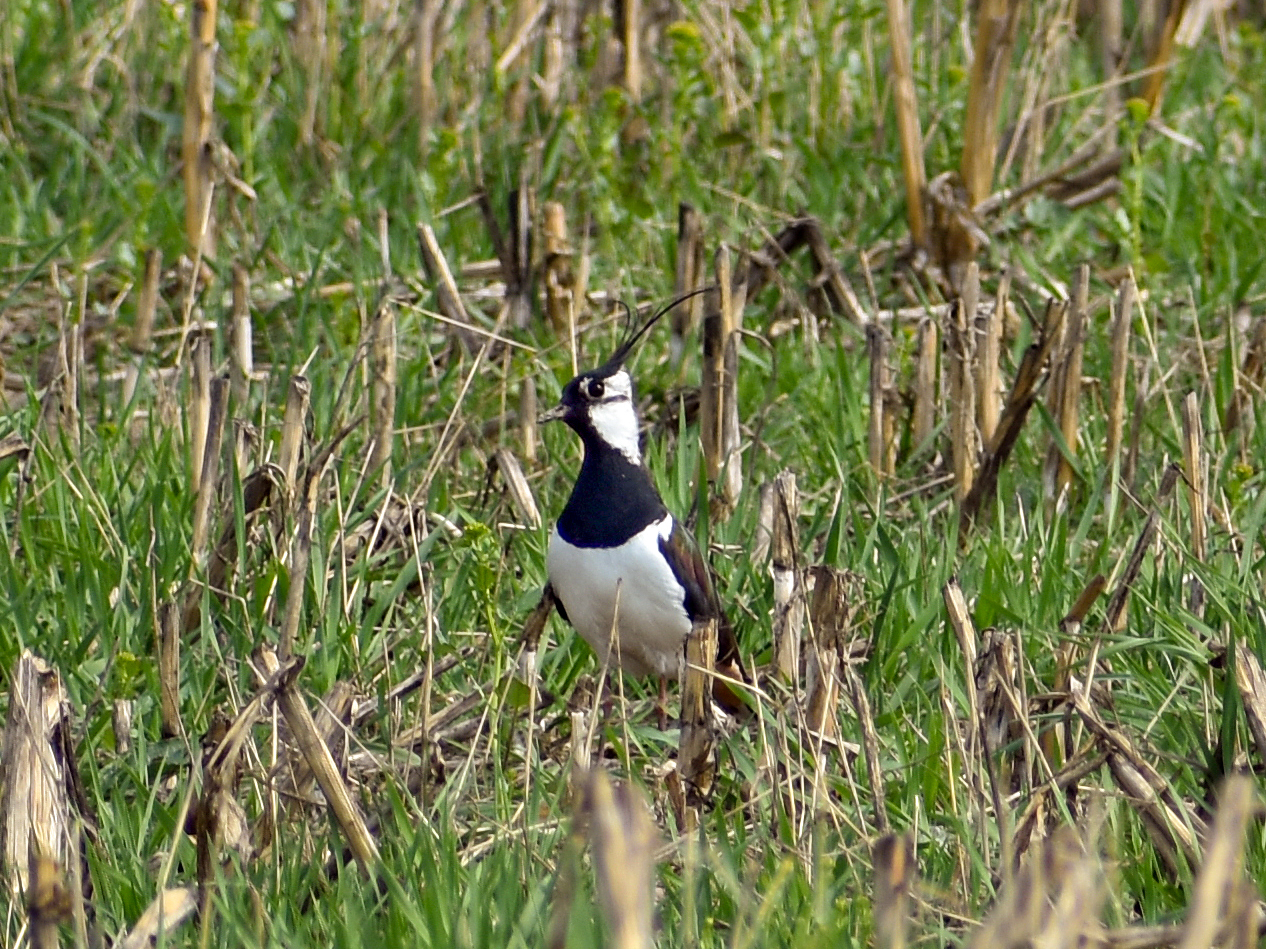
(613,499)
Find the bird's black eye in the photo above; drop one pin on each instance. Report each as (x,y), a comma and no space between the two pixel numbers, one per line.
(594,389)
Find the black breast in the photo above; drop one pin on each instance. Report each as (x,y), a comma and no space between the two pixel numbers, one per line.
(613,499)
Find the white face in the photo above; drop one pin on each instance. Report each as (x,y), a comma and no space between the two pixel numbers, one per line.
(613,415)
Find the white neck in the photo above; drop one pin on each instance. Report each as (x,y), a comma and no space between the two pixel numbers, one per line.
(616,424)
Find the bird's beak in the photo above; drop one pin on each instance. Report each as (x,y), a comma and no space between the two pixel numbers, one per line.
(553,415)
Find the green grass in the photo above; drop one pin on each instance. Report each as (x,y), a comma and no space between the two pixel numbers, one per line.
(89,179)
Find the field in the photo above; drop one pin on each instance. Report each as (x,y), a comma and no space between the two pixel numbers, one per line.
(283,287)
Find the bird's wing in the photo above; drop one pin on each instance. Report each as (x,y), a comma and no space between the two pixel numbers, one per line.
(702,602)
(549,594)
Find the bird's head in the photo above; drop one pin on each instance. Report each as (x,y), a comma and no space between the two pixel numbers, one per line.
(599,404)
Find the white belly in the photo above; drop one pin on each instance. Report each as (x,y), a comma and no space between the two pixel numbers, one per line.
(653,623)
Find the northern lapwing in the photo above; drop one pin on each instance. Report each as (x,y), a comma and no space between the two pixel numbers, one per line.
(617,551)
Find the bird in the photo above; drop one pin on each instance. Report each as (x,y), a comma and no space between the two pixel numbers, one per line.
(616,551)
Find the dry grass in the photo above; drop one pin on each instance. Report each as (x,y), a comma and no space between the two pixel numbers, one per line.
(377,540)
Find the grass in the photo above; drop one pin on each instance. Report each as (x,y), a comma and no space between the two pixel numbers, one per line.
(752,115)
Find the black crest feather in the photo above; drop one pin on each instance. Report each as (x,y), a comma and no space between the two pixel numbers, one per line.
(622,351)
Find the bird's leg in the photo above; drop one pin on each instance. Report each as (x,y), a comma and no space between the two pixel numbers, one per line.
(662,707)
(604,709)
(606,701)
